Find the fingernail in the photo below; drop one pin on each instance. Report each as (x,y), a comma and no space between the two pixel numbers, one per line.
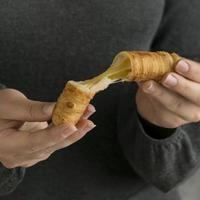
(67,130)
(48,108)
(170,81)
(91,109)
(91,125)
(148,87)
(182,66)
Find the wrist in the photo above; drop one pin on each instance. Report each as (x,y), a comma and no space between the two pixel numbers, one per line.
(154,131)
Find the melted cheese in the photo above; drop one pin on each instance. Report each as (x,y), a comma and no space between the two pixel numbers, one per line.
(117,72)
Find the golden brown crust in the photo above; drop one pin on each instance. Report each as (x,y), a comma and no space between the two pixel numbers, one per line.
(71,104)
(144,66)
(150,65)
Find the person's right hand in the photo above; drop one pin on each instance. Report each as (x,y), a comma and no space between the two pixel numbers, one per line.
(25,138)
(175,101)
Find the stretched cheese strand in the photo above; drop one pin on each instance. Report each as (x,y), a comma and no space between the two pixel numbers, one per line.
(126,66)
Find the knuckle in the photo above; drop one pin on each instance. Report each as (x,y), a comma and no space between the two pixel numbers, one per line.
(55,135)
(176,122)
(47,152)
(30,110)
(46,157)
(195,117)
(65,144)
(73,139)
(175,104)
(83,133)
(40,155)
(9,165)
(182,86)
(166,121)
(43,157)
(34,109)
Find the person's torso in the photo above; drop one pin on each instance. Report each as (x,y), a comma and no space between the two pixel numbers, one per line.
(45,43)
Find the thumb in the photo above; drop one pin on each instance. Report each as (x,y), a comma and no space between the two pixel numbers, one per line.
(15,106)
(36,111)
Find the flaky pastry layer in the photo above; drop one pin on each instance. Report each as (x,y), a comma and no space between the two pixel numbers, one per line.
(127,66)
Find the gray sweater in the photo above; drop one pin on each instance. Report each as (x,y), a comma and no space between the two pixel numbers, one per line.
(45,43)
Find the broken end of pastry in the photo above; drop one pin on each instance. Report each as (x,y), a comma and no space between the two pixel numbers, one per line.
(80,88)
(127,66)
(123,66)
(72,103)
(77,95)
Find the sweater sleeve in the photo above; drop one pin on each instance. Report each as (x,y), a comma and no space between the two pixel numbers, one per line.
(9,178)
(154,131)
(164,162)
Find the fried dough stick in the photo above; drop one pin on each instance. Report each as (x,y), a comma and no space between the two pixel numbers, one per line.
(127,66)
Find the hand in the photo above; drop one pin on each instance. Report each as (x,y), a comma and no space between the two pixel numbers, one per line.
(176,100)
(25,138)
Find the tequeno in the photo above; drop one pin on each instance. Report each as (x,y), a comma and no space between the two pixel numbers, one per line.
(127,66)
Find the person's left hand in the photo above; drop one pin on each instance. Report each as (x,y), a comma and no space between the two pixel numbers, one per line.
(179,93)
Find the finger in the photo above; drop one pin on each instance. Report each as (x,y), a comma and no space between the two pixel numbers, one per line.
(33,162)
(159,115)
(16,163)
(35,111)
(48,137)
(84,126)
(33,155)
(81,126)
(26,160)
(186,88)
(21,163)
(15,106)
(6,124)
(30,164)
(88,112)
(33,126)
(172,101)
(190,69)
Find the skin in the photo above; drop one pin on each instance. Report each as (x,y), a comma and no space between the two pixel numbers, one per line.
(176,100)
(26,138)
